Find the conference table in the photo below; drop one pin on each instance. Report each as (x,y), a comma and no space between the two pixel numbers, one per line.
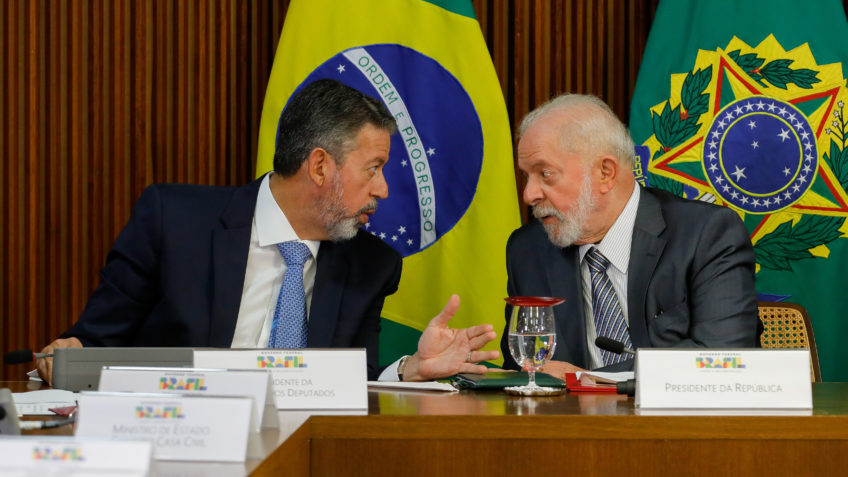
(489,433)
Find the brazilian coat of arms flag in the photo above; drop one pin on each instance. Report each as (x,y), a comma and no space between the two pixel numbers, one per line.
(742,103)
(452,195)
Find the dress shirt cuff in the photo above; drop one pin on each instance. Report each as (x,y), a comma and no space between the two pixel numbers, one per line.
(390,373)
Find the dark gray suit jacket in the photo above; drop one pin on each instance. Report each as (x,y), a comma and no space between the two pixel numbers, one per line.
(690,281)
(175,275)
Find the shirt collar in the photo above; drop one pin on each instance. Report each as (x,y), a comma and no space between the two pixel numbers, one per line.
(615,245)
(272,226)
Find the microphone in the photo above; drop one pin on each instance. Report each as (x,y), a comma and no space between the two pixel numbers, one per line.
(608,344)
(613,346)
(23,356)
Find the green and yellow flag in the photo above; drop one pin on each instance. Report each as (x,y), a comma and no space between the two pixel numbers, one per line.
(741,103)
(452,197)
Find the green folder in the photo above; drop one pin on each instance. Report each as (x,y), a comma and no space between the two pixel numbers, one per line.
(503,379)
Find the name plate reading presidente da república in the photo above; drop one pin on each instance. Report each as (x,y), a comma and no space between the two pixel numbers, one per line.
(181,427)
(722,378)
(62,455)
(302,378)
(199,381)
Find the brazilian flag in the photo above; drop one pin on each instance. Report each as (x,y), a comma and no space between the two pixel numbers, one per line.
(742,103)
(452,196)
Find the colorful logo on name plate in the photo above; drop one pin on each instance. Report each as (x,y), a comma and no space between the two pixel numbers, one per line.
(294,361)
(760,130)
(65,453)
(182,384)
(436,156)
(727,362)
(159,412)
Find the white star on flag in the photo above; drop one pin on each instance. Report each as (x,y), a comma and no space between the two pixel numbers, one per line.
(784,134)
(341,69)
(739,173)
(431,151)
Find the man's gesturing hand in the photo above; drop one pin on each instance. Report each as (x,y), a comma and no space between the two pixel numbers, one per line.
(444,351)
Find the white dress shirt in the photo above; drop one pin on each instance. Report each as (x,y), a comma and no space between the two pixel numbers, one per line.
(263,277)
(615,246)
(265,269)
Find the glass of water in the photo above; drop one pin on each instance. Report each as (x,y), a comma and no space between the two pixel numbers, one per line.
(532,339)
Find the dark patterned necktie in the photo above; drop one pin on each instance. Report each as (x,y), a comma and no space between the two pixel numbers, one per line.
(609,319)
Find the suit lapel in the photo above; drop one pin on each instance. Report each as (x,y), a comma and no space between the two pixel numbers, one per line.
(645,251)
(230,245)
(330,277)
(563,273)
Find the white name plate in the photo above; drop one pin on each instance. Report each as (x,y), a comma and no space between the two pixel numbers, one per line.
(302,378)
(220,382)
(38,456)
(723,379)
(181,427)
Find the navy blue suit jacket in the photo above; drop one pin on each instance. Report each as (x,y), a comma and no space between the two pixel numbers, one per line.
(175,274)
(690,282)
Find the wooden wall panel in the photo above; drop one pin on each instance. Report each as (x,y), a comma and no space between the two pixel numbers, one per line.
(99,98)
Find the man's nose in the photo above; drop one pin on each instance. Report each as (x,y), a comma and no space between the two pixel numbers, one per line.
(381,188)
(532,192)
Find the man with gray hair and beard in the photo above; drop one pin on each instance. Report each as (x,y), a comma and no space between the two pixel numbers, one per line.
(278,263)
(638,265)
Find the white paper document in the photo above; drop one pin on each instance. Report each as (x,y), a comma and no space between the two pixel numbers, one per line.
(410,386)
(37,403)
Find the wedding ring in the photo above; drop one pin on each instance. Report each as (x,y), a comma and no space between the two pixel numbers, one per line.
(468,357)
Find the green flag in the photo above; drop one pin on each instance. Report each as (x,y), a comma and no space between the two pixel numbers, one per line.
(741,103)
(452,197)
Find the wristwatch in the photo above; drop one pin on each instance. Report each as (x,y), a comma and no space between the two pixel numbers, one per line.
(401,367)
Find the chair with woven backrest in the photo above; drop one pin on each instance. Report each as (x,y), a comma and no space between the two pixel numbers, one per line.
(787,325)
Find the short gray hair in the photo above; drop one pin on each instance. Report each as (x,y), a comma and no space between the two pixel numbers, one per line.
(592,128)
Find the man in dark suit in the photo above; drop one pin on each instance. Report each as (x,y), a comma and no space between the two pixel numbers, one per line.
(202,266)
(638,265)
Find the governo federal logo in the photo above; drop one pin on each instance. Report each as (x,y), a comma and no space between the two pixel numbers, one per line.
(436,156)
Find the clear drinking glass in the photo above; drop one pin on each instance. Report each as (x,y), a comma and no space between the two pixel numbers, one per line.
(532,339)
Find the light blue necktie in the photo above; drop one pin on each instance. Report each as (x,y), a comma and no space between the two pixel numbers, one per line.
(289,327)
(609,319)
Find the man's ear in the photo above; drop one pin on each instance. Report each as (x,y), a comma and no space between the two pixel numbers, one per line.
(320,166)
(608,167)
